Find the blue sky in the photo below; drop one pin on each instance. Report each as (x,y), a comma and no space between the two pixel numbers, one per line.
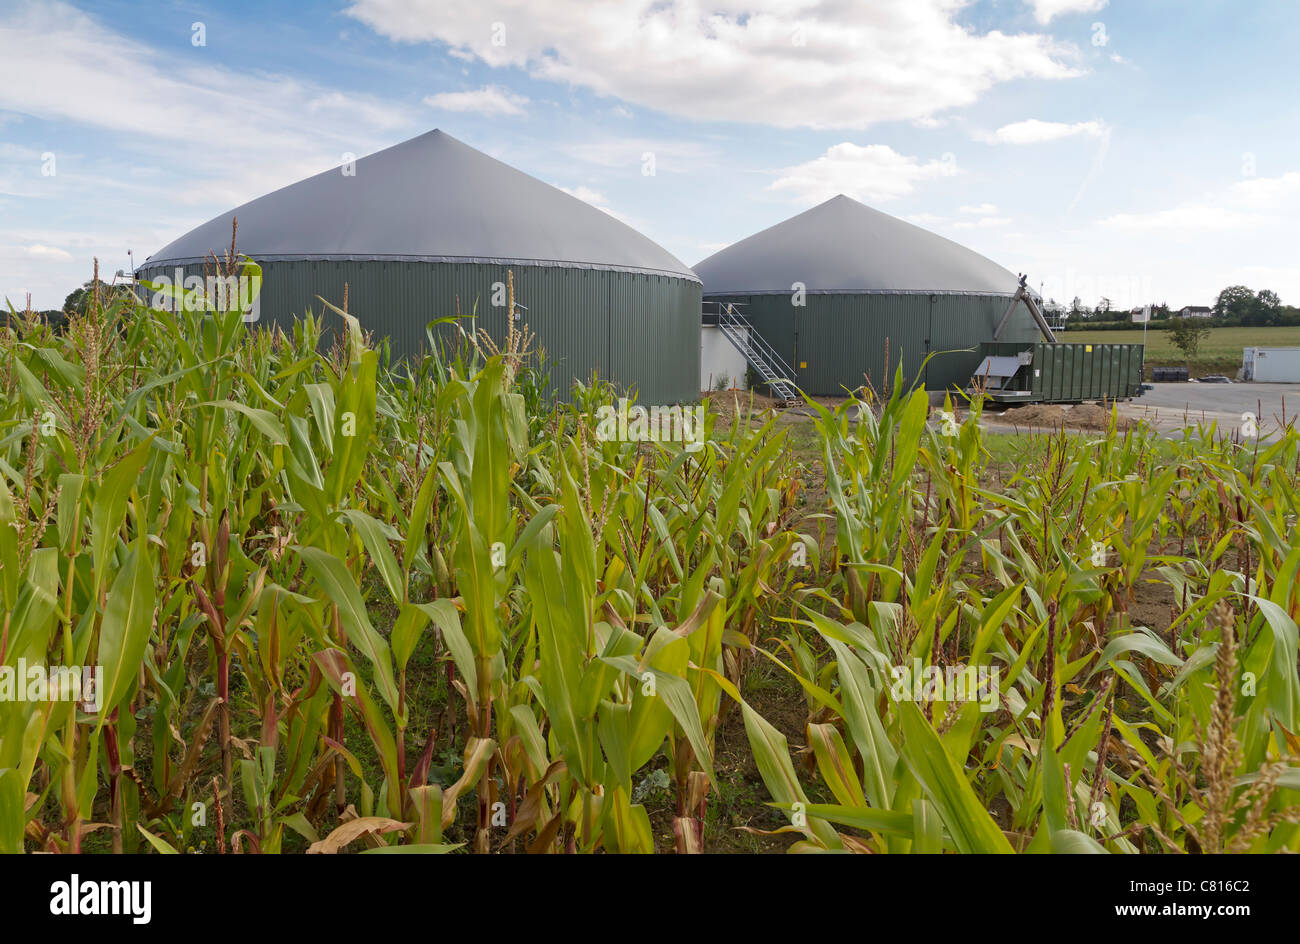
(1142,151)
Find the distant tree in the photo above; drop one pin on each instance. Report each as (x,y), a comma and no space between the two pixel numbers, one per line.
(1160,312)
(1267,309)
(1235,301)
(1078,311)
(1103,308)
(20,317)
(75,303)
(1187,335)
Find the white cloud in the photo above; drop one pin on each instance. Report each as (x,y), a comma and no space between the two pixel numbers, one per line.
(1137,267)
(1285,280)
(1253,203)
(586,194)
(979,209)
(1045,10)
(1033,131)
(87,69)
(16,152)
(48,252)
(597,199)
(668,155)
(874,173)
(1198,218)
(795,64)
(108,240)
(1184,254)
(490,100)
(274,129)
(1267,191)
(984,222)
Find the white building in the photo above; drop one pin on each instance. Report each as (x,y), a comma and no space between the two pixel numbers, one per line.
(1271,364)
(721,363)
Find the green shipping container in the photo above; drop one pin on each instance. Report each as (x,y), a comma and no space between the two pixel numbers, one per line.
(1066,373)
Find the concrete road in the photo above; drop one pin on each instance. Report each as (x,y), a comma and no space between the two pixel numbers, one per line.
(1171,406)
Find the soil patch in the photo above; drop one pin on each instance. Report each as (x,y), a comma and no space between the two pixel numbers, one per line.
(1153,605)
(1055,416)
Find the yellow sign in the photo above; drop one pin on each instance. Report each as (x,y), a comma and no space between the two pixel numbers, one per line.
(1088,348)
(803,365)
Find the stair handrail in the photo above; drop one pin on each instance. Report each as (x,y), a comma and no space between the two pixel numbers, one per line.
(728,315)
(755,343)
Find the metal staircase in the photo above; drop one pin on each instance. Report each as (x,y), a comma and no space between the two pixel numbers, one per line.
(767,363)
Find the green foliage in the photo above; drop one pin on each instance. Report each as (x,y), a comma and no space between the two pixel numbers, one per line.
(1187,334)
(1036,584)
(344,605)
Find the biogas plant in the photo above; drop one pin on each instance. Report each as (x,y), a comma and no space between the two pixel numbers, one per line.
(431,225)
(819,304)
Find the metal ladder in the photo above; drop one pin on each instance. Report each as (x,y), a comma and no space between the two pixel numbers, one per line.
(767,363)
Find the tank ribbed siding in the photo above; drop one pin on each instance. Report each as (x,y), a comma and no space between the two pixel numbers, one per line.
(432,221)
(875,285)
(636,329)
(838,341)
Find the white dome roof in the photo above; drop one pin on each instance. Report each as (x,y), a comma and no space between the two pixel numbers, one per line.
(844,246)
(431,199)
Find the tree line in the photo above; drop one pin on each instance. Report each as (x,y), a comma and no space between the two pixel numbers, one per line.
(1236,305)
(74,304)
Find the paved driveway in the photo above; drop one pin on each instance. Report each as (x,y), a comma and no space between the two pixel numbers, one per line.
(1171,406)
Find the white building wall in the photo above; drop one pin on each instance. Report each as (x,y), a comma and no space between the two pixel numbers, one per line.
(1271,364)
(719,358)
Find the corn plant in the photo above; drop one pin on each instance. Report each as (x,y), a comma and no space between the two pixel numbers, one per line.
(339,603)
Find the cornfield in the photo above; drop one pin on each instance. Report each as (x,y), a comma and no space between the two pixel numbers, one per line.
(341,605)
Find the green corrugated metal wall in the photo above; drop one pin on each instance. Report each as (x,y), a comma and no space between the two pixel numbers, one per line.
(837,340)
(637,330)
(1071,372)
